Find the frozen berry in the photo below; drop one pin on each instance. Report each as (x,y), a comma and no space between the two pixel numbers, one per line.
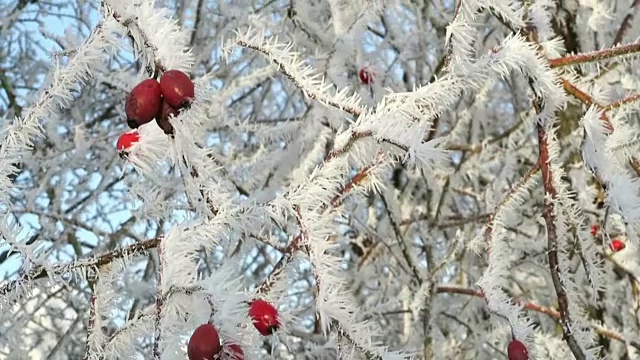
(163,118)
(143,103)
(177,88)
(617,245)
(517,351)
(264,316)
(232,352)
(366,76)
(594,229)
(125,141)
(204,343)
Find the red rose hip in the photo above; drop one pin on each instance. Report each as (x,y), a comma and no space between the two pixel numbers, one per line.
(204,343)
(125,141)
(264,316)
(617,245)
(143,103)
(517,351)
(177,88)
(366,76)
(166,112)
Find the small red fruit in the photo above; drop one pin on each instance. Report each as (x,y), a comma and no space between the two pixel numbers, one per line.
(233,352)
(617,245)
(204,343)
(126,140)
(177,88)
(517,351)
(594,229)
(163,118)
(265,317)
(366,76)
(143,103)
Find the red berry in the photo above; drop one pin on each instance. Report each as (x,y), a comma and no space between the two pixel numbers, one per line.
(366,76)
(594,229)
(126,140)
(617,245)
(265,317)
(204,343)
(232,352)
(143,103)
(177,88)
(163,117)
(517,351)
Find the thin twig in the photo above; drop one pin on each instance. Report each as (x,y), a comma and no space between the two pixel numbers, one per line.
(159,304)
(622,50)
(92,319)
(544,161)
(41,272)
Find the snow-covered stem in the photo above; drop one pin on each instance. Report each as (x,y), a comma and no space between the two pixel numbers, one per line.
(42,272)
(299,74)
(157,339)
(552,241)
(577,59)
(91,322)
(386,217)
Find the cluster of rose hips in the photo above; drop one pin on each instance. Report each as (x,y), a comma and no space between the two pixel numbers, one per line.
(204,343)
(616,244)
(159,100)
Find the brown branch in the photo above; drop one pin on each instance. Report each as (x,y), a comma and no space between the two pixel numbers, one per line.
(588,100)
(286,258)
(294,246)
(595,55)
(451,221)
(551,195)
(523,180)
(359,177)
(355,111)
(146,43)
(625,101)
(92,319)
(406,254)
(529,305)
(626,23)
(159,304)
(544,161)
(41,272)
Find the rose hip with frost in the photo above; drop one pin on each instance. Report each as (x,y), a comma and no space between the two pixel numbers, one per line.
(143,103)
(125,141)
(517,351)
(177,89)
(617,245)
(204,343)
(366,76)
(264,316)
(163,118)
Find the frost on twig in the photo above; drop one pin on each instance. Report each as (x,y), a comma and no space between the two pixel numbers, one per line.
(436,210)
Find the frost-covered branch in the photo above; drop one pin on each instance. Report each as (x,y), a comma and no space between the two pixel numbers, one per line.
(552,241)
(380,175)
(577,59)
(299,74)
(77,266)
